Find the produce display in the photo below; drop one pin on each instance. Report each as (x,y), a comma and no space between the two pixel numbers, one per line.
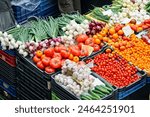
(58,45)
(121,11)
(114,69)
(77,78)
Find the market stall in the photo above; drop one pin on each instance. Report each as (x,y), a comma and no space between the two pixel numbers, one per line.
(102,55)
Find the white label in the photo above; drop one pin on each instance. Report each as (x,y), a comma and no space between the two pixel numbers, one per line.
(127,30)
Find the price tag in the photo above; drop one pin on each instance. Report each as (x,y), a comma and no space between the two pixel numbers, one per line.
(127,30)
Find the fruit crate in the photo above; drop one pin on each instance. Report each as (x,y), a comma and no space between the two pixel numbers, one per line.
(124,92)
(26,62)
(8,72)
(46,7)
(49,8)
(65,94)
(23,93)
(10,89)
(32,83)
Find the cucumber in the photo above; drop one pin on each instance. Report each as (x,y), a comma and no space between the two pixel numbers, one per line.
(85,97)
(107,88)
(94,94)
(100,88)
(101,94)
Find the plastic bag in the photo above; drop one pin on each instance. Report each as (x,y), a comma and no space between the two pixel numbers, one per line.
(30,5)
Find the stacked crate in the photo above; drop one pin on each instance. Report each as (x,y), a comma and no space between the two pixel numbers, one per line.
(46,8)
(8,73)
(33,84)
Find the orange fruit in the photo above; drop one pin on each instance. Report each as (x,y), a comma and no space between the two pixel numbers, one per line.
(105,39)
(100,36)
(116,45)
(108,50)
(95,36)
(124,43)
(39,53)
(120,32)
(71,56)
(103,33)
(112,31)
(115,36)
(97,41)
(76,59)
(122,48)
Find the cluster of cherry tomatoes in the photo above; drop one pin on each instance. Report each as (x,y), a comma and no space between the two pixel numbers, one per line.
(114,69)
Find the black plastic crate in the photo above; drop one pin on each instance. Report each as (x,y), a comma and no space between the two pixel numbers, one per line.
(45,81)
(65,94)
(5,95)
(8,72)
(33,85)
(126,91)
(148,84)
(29,63)
(23,90)
(8,87)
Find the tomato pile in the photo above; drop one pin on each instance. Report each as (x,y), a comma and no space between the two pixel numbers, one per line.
(52,58)
(114,69)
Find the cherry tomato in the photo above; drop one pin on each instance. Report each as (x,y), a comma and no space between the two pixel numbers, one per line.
(76,59)
(55,63)
(49,52)
(40,65)
(36,59)
(46,61)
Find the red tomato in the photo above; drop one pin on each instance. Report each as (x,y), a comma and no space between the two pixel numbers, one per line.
(84,52)
(96,47)
(57,55)
(55,63)
(89,42)
(36,59)
(49,70)
(46,61)
(40,65)
(80,45)
(49,52)
(65,53)
(134,27)
(81,38)
(59,48)
(75,50)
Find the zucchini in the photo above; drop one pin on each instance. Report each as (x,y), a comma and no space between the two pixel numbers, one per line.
(101,94)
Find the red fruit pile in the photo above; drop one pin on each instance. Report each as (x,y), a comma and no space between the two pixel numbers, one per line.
(114,69)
